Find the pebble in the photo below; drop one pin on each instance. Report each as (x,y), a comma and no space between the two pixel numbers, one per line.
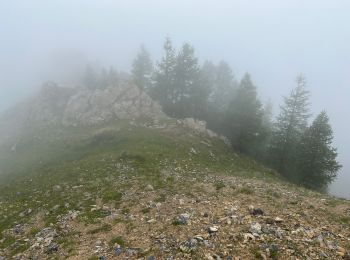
(118,251)
(149,187)
(213,229)
(255,228)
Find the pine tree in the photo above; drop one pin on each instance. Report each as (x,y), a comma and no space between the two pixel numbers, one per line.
(189,94)
(142,69)
(317,165)
(245,117)
(266,132)
(290,125)
(223,86)
(164,89)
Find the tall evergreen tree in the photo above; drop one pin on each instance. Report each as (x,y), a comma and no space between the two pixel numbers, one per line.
(290,125)
(190,95)
(266,132)
(317,158)
(208,76)
(164,88)
(245,117)
(142,69)
(224,86)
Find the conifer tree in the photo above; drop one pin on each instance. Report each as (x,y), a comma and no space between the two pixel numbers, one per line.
(142,69)
(290,125)
(245,117)
(164,89)
(190,96)
(317,165)
(223,86)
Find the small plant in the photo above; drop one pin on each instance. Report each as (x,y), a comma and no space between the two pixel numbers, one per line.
(132,157)
(256,253)
(92,217)
(246,190)
(219,185)
(161,198)
(345,220)
(273,193)
(145,210)
(33,231)
(125,211)
(117,240)
(112,196)
(103,228)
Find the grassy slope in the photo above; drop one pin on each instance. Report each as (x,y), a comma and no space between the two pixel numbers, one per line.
(102,164)
(79,155)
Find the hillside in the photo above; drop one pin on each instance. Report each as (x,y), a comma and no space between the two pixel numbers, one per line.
(153,188)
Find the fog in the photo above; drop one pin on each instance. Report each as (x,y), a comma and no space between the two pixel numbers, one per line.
(272,40)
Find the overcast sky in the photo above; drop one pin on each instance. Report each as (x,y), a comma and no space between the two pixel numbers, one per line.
(273,40)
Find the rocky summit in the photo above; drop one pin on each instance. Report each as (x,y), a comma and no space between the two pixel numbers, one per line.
(104,174)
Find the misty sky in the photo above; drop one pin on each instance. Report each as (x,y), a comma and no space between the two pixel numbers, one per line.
(273,40)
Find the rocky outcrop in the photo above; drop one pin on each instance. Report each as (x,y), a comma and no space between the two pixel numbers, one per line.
(56,105)
(125,101)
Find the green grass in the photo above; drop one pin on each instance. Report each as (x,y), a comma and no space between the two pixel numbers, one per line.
(101,161)
(112,196)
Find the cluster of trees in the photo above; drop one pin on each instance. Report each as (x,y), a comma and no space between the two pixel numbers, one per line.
(301,152)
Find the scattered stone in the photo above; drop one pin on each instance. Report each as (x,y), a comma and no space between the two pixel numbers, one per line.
(181,219)
(118,251)
(255,211)
(189,246)
(255,228)
(52,248)
(151,221)
(278,220)
(149,187)
(248,237)
(213,229)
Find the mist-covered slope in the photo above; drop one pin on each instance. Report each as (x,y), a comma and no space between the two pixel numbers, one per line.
(154,188)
